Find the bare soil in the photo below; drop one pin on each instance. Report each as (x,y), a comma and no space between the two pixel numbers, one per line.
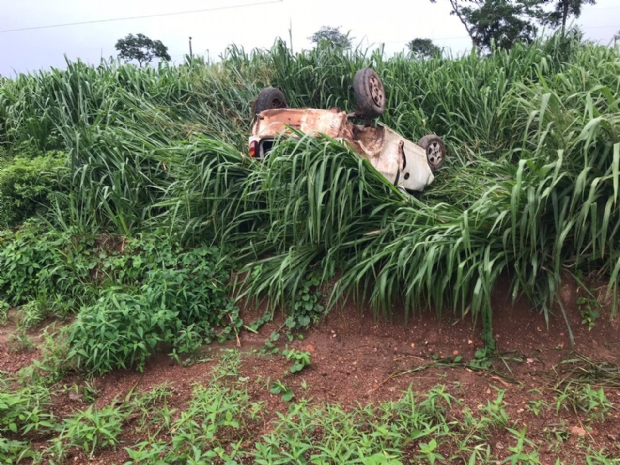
(357,359)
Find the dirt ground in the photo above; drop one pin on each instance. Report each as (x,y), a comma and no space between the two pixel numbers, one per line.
(357,359)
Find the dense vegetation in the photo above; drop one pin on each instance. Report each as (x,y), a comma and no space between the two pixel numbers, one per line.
(530,190)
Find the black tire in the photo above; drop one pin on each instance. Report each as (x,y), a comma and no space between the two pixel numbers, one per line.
(269,99)
(435,151)
(369,93)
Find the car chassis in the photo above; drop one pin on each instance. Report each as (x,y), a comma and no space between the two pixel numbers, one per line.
(403,163)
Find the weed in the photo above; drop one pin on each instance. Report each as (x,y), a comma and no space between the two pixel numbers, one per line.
(147,453)
(12,451)
(19,341)
(33,313)
(483,359)
(93,428)
(537,406)
(278,387)
(495,414)
(306,306)
(270,346)
(589,309)
(4,312)
(299,358)
(519,454)
(583,398)
(212,408)
(428,452)
(228,367)
(25,410)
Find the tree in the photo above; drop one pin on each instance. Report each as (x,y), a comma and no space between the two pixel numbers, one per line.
(141,48)
(331,36)
(423,48)
(503,22)
(564,9)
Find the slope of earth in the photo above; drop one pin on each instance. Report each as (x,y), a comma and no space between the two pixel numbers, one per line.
(538,382)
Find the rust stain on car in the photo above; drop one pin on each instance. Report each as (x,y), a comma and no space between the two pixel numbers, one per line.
(402,162)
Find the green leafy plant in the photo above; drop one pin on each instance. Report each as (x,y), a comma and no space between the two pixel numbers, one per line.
(483,359)
(306,305)
(584,398)
(537,406)
(27,186)
(494,413)
(519,454)
(4,311)
(20,341)
(120,331)
(93,428)
(24,410)
(589,309)
(12,451)
(427,451)
(299,358)
(279,388)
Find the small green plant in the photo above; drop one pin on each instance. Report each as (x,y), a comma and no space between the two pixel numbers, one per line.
(4,312)
(537,406)
(270,346)
(584,398)
(19,341)
(278,387)
(12,451)
(187,341)
(519,454)
(494,414)
(33,313)
(93,428)
(483,359)
(25,410)
(306,304)
(428,452)
(589,309)
(54,362)
(437,401)
(214,410)
(147,452)
(299,358)
(228,367)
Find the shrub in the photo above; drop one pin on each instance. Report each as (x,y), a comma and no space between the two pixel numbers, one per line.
(37,262)
(26,185)
(120,331)
(170,295)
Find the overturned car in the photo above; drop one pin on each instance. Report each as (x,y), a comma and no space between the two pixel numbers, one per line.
(405,164)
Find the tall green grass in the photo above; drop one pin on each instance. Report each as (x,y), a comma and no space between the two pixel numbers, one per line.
(530,190)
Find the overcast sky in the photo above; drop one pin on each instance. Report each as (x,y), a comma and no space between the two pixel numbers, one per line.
(371,22)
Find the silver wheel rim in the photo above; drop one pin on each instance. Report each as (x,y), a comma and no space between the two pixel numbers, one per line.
(434,154)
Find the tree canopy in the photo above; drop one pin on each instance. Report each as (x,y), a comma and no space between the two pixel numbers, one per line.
(423,48)
(505,22)
(331,36)
(563,9)
(141,48)
(502,22)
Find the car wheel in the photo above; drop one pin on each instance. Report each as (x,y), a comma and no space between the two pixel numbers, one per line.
(435,151)
(269,99)
(369,93)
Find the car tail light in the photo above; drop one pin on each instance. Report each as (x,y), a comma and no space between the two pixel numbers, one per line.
(253,148)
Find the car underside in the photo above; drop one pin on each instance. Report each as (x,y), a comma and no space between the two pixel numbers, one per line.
(405,164)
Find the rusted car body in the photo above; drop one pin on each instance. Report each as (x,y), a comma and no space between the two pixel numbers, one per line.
(402,162)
